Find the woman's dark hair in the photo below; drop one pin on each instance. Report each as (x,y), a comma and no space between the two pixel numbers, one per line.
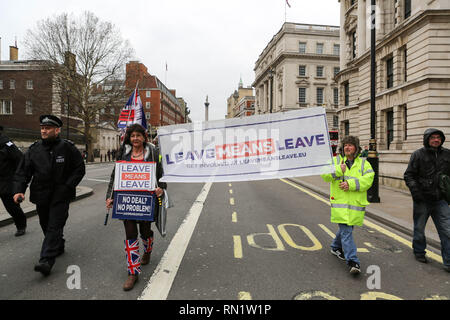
(135,128)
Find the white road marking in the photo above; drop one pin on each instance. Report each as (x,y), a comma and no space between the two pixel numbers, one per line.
(161,281)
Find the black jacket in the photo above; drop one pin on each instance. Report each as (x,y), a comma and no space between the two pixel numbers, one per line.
(56,168)
(424,168)
(151,154)
(10,157)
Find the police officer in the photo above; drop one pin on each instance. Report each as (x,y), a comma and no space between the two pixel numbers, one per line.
(56,167)
(10,157)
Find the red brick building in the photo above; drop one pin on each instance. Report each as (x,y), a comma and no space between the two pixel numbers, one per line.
(26,91)
(161,106)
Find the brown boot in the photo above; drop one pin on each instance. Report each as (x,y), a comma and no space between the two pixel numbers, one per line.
(146,258)
(129,284)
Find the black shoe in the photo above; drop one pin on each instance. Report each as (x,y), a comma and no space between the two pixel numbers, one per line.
(338,253)
(355,268)
(19,232)
(43,267)
(447,268)
(421,258)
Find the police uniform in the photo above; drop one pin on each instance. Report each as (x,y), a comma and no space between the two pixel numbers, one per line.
(10,157)
(56,167)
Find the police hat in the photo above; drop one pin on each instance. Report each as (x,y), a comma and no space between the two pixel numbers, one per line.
(50,120)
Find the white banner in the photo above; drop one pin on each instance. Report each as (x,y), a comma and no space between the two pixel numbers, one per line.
(269,146)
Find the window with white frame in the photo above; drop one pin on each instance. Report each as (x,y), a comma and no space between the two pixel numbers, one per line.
(5,106)
(302,71)
(319,72)
(302,95)
(147,105)
(148,94)
(28,107)
(336,49)
(302,47)
(29,84)
(319,96)
(319,48)
(12,84)
(147,115)
(336,70)
(1,84)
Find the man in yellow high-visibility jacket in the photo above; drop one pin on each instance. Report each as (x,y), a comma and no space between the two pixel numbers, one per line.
(348,197)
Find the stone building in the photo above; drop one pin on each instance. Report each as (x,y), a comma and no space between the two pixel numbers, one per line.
(27,90)
(296,70)
(241,103)
(412,77)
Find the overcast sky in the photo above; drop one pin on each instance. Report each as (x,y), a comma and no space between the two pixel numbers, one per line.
(207,44)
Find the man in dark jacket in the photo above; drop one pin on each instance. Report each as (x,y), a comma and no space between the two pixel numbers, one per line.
(422,179)
(10,157)
(56,167)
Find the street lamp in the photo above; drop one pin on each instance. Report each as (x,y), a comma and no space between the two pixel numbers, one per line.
(372,193)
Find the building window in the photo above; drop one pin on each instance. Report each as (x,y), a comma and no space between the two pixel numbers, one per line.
(147,105)
(390,73)
(335,121)
(319,48)
(336,96)
(28,107)
(12,84)
(346,128)
(147,94)
(407,8)
(405,123)
(405,65)
(302,47)
(302,95)
(346,94)
(319,72)
(147,115)
(5,107)
(336,49)
(389,127)
(1,84)
(319,96)
(302,71)
(353,44)
(336,70)
(111,111)
(30,84)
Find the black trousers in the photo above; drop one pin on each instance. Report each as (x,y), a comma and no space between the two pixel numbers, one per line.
(14,210)
(52,218)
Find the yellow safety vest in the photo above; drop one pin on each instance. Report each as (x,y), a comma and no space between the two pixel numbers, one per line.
(349,207)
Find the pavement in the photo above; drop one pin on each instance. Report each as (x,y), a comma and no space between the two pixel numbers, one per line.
(394,209)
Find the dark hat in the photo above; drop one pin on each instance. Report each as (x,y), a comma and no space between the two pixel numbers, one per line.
(351,140)
(50,120)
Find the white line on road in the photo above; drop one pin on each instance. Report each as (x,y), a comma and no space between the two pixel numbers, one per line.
(161,281)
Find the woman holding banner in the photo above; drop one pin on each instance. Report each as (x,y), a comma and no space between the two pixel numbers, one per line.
(136,148)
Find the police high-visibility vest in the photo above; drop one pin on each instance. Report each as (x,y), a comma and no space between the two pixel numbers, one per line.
(349,207)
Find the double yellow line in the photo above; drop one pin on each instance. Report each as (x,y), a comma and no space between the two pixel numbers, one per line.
(369,224)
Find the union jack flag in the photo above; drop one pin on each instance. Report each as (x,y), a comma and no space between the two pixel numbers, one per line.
(148,244)
(133,112)
(133,257)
